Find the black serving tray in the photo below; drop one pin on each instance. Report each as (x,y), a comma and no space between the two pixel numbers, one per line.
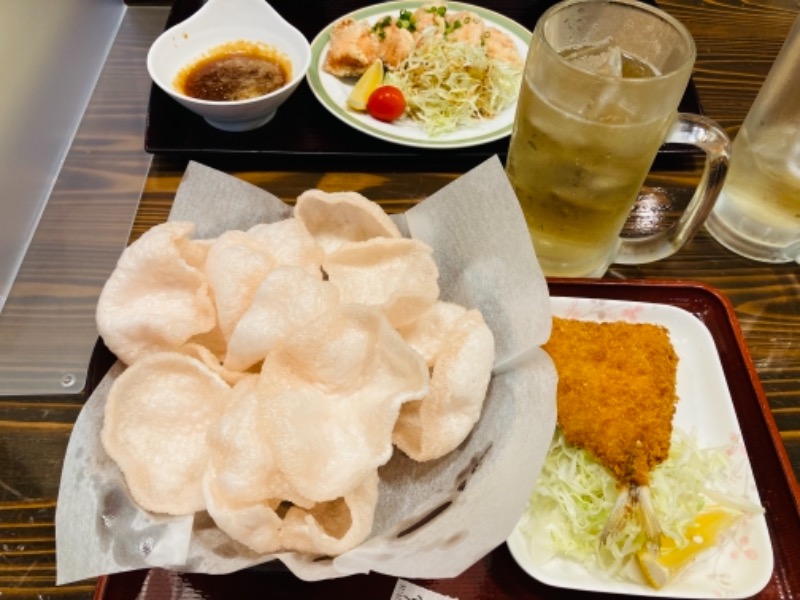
(304,135)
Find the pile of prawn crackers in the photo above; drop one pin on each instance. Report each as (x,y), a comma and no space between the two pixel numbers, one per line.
(271,371)
(270,376)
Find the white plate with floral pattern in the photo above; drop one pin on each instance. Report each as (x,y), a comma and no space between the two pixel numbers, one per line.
(742,564)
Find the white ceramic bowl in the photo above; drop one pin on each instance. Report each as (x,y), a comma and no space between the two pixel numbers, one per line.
(219,22)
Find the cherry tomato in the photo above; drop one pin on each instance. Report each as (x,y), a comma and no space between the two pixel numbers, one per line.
(386,103)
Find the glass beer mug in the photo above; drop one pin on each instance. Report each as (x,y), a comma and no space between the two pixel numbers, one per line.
(602,84)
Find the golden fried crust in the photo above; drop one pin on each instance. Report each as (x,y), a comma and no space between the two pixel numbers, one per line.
(616,392)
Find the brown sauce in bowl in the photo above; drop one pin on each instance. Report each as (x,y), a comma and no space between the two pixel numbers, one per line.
(235,71)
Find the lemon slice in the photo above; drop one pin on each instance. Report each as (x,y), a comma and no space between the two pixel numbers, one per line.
(659,569)
(369,81)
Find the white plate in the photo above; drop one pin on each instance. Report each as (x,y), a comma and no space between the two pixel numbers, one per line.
(333,91)
(742,566)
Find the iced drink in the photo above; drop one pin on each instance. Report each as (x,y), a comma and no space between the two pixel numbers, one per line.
(758,212)
(603,80)
(577,176)
(761,199)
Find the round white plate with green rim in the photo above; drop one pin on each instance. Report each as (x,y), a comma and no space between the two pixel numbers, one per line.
(332,91)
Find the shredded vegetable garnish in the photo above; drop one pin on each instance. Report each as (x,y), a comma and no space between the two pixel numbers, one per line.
(575,495)
(451,84)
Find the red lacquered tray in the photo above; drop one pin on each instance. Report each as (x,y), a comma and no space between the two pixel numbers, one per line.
(497,576)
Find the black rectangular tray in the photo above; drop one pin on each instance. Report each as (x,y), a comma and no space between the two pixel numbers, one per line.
(304,135)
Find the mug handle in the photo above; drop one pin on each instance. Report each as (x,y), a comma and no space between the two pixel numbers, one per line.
(704,133)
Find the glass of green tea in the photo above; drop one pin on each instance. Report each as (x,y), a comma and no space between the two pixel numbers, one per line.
(603,81)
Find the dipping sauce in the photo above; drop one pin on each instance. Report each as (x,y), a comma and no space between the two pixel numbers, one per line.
(235,71)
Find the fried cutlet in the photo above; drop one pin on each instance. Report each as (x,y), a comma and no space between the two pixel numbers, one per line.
(617,397)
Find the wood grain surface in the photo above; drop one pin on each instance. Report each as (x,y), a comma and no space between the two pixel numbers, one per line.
(736,44)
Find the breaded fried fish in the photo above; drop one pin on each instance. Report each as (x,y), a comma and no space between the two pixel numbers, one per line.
(616,400)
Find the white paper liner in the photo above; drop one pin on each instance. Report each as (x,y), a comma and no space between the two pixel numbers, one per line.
(477,493)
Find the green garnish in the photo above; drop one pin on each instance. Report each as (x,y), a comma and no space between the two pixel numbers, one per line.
(406,21)
(385,22)
(379,27)
(451,27)
(437,10)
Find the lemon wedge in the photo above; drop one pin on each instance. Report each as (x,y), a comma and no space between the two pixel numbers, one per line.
(660,568)
(369,81)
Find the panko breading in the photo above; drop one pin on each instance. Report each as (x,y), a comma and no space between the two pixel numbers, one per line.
(616,392)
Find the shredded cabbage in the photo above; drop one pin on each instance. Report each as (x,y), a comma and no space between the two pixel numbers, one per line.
(575,494)
(450,84)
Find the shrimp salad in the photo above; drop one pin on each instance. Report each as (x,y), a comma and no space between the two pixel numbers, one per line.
(452,67)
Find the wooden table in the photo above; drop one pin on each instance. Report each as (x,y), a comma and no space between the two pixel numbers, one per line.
(736,43)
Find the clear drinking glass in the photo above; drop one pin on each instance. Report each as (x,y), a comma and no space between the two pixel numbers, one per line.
(758,212)
(603,80)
